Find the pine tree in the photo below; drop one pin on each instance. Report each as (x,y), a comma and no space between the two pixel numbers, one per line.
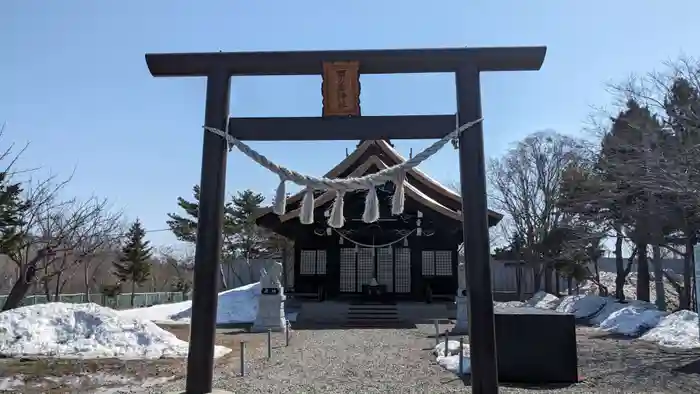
(241,236)
(682,108)
(13,237)
(628,160)
(250,240)
(134,264)
(11,213)
(185,227)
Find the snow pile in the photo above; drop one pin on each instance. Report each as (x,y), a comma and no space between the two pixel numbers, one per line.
(11,383)
(163,313)
(607,279)
(631,319)
(677,330)
(452,348)
(239,305)
(613,306)
(543,300)
(85,331)
(583,307)
(509,304)
(451,361)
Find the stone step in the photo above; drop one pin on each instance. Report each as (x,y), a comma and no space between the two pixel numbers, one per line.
(376,324)
(372,312)
(371,303)
(372,307)
(371,317)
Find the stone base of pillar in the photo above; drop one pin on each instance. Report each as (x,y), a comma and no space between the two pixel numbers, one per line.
(271,314)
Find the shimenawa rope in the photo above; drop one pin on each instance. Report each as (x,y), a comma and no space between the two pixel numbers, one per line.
(395,174)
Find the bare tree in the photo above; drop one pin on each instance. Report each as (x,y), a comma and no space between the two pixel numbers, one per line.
(82,228)
(525,186)
(179,269)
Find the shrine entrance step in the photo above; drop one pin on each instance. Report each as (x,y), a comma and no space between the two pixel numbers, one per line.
(372,314)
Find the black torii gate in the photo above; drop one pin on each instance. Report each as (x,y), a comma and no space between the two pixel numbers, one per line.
(465,63)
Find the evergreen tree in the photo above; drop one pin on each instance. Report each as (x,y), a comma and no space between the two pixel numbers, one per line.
(13,238)
(241,236)
(134,264)
(250,240)
(12,208)
(682,109)
(184,227)
(629,158)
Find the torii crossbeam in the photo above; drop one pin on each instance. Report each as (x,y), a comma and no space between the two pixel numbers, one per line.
(465,63)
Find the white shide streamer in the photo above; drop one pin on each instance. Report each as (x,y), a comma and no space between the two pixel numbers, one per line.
(395,174)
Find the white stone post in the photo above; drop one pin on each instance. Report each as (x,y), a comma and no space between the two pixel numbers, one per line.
(462,318)
(271,314)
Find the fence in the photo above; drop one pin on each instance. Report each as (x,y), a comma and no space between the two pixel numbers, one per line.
(509,277)
(122,301)
(241,272)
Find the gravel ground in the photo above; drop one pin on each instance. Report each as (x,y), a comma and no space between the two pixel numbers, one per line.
(398,361)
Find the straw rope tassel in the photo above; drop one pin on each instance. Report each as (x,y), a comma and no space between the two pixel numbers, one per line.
(397,200)
(307,207)
(371,213)
(337,219)
(280,206)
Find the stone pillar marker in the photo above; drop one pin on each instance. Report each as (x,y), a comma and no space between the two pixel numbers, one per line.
(271,314)
(462,321)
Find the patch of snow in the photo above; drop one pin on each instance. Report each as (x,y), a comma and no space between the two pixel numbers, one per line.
(677,330)
(543,300)
(607,279)
(239,305)
(162,314)
(509,304)
(133,385)
(632,319)
(85,331)
(452,348)
(582,306)
(614,306)
(11,383)
(451,361)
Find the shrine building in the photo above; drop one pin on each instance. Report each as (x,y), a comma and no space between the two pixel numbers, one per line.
(411,256)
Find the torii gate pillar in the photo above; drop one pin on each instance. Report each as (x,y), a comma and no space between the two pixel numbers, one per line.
(466,63)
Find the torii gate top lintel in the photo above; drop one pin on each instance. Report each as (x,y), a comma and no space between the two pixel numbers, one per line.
(374,61)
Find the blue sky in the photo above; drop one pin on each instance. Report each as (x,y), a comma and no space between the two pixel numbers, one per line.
(74,83)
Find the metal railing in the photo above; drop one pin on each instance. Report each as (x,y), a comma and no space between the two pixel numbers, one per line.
(122,301)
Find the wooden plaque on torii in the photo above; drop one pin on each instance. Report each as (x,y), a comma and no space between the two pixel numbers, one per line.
(341,88)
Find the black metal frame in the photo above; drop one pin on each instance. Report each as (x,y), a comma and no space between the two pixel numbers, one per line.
(466,63)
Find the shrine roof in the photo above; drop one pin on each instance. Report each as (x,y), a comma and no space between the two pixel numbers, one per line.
(380,153)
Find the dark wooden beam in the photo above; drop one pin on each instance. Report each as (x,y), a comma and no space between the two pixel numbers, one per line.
(393,61)
(475,232)
(334,129)
(207,257)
